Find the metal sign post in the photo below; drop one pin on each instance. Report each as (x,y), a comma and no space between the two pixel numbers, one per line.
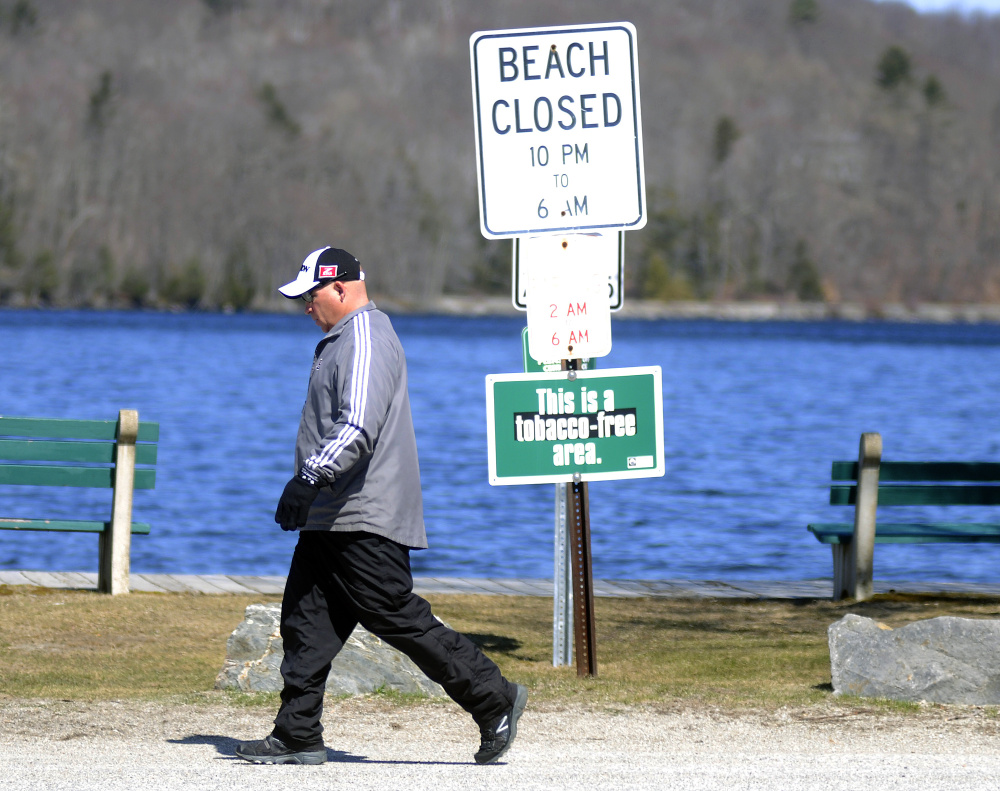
(578,541)
(562,579)
(562,565)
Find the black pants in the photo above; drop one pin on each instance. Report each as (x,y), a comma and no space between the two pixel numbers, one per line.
(338,580)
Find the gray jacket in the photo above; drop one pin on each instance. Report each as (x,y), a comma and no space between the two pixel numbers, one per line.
(356,433)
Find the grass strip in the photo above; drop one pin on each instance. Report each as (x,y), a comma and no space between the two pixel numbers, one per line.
(730,653)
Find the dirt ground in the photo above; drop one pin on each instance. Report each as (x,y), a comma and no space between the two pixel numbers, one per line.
(374,744)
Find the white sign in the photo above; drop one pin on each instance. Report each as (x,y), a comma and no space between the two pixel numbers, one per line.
(530,251)
(558,130)
(568,312)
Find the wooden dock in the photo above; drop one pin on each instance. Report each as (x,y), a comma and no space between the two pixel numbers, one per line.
(274,585)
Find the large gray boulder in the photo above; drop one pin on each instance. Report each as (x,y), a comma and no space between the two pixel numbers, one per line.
(941,660)
(254,652)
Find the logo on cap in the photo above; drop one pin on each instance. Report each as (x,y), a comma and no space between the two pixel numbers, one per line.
(327,271)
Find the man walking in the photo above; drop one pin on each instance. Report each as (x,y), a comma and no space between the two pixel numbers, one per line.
(356,497)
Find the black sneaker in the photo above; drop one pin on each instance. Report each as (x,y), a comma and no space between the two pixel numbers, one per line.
(271,750)
(498,736)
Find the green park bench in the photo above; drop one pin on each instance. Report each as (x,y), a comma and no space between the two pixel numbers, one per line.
(84,453)
(871,482)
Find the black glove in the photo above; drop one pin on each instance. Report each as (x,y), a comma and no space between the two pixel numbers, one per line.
(293,507)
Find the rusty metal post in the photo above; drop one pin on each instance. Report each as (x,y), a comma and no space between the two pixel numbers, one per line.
(585,639)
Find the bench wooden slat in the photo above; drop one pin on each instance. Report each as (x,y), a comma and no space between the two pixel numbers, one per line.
(912,533)
(920,494)
(72,429)
(89,477)
(76,451)
(67,525)
(927,471)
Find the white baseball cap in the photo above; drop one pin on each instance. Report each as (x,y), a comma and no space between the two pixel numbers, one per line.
(320,266)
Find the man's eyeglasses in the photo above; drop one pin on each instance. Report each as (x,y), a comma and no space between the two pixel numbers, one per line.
(310,295)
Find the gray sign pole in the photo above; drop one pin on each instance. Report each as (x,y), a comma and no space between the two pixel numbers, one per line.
(581,574)
(562,578)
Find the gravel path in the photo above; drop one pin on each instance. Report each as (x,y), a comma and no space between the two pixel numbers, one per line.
(380,746)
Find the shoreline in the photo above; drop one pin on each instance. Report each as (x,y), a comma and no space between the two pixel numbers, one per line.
(632,310)
(928,313)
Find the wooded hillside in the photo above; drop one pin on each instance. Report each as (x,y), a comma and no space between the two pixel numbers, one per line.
(192,152)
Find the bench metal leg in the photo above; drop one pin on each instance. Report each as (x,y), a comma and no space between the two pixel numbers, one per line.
(114,545)
(843,572)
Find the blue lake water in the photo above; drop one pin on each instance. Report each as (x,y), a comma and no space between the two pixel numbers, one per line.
(753,415)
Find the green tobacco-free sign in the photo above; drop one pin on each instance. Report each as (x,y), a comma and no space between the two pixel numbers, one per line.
(550,427)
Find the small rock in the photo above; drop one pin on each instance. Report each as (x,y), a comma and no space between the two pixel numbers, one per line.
(254,652)
(940,660)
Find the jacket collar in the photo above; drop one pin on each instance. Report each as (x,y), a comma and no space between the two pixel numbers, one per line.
(338,328)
